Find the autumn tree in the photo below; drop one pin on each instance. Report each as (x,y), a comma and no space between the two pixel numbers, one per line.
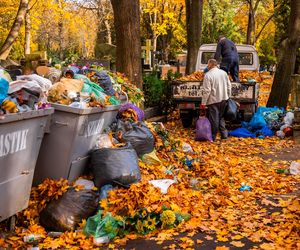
(127,28)
(220,20)
(163,22)
(194,10)
(286,59)
(12,35)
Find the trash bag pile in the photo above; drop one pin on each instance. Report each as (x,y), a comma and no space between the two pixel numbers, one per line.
(267,122)
(26,93)
(115,158)
(100,88)
(78,87)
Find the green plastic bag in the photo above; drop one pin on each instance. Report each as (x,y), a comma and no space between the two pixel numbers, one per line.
(114,101)
(99,226)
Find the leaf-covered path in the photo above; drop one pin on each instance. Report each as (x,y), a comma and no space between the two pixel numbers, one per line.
(208,180)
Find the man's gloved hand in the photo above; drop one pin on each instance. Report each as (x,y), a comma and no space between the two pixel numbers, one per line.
(202,106)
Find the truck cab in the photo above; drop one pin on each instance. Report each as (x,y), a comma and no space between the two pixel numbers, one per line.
(187,91)
(248,57)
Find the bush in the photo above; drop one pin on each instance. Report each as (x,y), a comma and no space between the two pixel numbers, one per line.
(159,92)
(153,89)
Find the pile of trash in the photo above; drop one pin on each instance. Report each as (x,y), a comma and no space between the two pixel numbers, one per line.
(28,92)
(95,86)
(267,122)
(78,87)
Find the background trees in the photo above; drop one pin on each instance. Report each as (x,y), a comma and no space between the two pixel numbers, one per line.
(286,59)
(73,28)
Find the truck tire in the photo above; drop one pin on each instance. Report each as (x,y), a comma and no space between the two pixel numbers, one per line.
(186,117)
(186,122)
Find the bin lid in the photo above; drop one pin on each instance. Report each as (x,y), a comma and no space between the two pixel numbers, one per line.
(86,111)
(26,115)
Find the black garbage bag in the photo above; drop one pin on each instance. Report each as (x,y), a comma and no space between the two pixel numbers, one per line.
(138,134)
(115,165)
(104,81)
(65,213)
(231,110)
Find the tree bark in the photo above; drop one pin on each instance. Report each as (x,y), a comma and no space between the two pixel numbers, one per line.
(108,31)
(13,33)
(60,32)
(194,9)
(250,26)
(27,33)
(127,27)
(251,39)
(286,60)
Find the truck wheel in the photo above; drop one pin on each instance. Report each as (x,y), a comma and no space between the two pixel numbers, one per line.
(186,122)
(186,117)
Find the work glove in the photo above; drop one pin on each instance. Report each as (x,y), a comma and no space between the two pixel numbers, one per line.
(202,106)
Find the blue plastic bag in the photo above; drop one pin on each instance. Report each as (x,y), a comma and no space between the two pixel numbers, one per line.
(265,131)
(241,132)
(257,121)
(4,85)
(203,130)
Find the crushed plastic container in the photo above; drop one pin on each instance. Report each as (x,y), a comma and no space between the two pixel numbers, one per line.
(21,135)
(73,134)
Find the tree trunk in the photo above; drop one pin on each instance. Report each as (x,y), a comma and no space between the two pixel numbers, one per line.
(12,35)
(286,60)
(108,31)
(27,33)
(251,25)
(154,36)
(127,27)
(194,9)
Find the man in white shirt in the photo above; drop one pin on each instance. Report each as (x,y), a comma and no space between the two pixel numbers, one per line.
(216,92)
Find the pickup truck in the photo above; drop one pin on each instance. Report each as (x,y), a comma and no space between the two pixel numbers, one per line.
(187,91)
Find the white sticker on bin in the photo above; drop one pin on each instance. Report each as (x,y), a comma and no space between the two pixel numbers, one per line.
(94,128)
(13,142)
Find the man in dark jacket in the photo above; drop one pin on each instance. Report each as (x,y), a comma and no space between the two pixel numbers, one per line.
(230,58)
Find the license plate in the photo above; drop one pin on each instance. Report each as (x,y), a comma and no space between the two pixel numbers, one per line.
(188,89)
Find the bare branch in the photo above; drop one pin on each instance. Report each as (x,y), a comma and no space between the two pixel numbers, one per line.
(264,26)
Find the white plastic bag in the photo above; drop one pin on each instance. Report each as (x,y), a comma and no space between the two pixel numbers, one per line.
(280,134)
(162,184)
(88,184)
(288,119)
(20,84)
(295,168)
(104,141)
(44,83)
(187,148)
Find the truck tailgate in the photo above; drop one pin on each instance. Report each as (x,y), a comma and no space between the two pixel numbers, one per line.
(193,91)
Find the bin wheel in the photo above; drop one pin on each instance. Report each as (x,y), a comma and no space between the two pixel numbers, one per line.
(12,223)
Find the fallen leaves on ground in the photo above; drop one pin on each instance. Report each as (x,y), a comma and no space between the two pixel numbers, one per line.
(207,188)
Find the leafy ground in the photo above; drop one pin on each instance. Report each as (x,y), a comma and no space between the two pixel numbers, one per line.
(208,181)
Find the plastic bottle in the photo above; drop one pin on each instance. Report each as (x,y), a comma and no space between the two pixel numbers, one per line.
(55,234)
(245,187)
(282,171)
(31,237)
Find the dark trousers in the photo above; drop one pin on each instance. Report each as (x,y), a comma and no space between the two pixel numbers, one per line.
(216,117)
(231,66)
